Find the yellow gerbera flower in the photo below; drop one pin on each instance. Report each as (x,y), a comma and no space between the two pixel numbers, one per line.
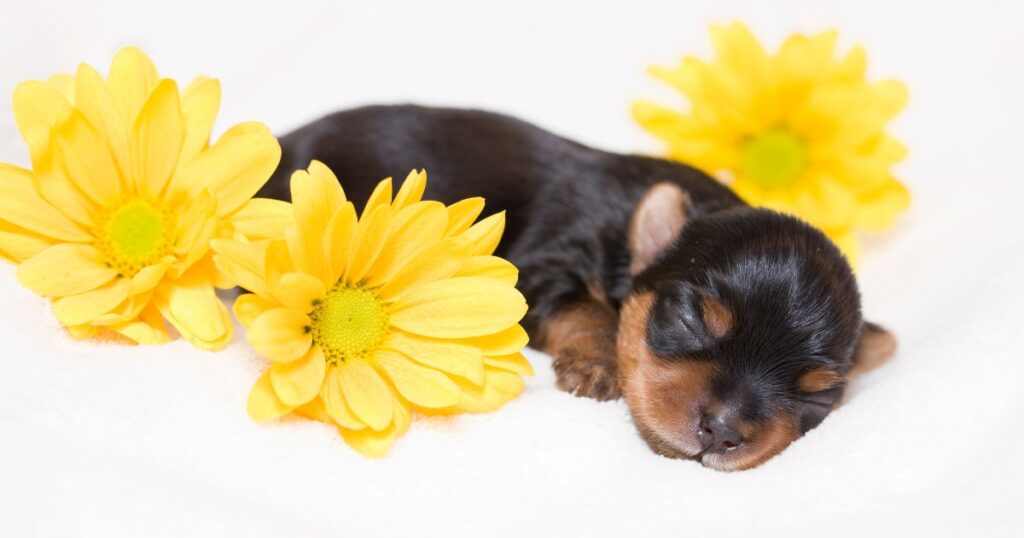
(114,219)
(801,131)
(365,319)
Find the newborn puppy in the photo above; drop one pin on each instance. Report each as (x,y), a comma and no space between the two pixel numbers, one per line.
(730,330)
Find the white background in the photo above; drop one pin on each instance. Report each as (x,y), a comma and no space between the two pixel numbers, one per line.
(107,440)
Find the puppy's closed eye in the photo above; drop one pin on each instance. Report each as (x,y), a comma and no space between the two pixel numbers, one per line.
(683,321)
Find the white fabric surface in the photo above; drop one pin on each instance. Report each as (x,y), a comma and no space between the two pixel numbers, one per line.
(118,441)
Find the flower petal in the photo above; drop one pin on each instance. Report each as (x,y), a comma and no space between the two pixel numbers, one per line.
(17,245)
(436,262)
(486,234)
(380,196)
(263,402)
(156,139)
(125,311)
(299,381)
(64,83)
(879,209)
(93,98)
(412,190)
(334,401)
(412,229)
(740,50)
(515,362)
(280,334)
(299,290)
(86,307)
(263,218)
(459,307)
(83,332)
(65,269)
(367,243)
(338,238)
(234,168)
(453,358)
(316,196)
(506,342)
(199,105)
(277,261)
(148,277)
(57,189)
(320,189)
(376,443)
(37,108)
(148,329)
(891,96)
(461,215)
(88,160)
(500,386)
(491,267)
(21,204)
(249,306)
(367,395)
(424,387)
(315,410)
(368,442)
(243,263)
(401,415)
(198,228)
(191,305)
(131,79)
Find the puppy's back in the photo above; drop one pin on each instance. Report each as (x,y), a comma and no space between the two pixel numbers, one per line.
(465,152)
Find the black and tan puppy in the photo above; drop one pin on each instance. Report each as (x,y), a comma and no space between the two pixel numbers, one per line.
(730,330)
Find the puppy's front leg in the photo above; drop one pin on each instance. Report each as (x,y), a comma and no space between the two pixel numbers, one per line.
(581,341)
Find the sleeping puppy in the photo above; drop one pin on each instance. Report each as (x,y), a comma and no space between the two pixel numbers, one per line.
(730,331)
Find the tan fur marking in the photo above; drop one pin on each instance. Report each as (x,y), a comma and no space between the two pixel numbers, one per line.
(717,318)
(581,342)
(596,290)
(818,379)
(664,397)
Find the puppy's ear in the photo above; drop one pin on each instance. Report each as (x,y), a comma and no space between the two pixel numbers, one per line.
(876,346)
(657,221)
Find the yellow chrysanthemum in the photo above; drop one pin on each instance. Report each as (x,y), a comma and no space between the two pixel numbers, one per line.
(801,131)
(365,319)
(114,219)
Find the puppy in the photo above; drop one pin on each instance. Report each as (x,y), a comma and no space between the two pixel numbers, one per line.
(730,330)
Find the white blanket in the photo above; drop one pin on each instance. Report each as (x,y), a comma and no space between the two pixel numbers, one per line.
(121,441)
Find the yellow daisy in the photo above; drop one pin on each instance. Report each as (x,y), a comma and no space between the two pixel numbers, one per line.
(800,131)
(365,319)
(114,219)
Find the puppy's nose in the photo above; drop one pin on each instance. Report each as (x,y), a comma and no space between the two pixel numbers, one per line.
(717,435)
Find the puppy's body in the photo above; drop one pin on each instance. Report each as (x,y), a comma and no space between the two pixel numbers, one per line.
(730,330)
(568,206)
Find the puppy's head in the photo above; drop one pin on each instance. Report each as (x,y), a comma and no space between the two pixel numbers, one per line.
(740,331)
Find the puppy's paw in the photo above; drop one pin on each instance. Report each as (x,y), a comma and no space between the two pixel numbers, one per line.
(587,376)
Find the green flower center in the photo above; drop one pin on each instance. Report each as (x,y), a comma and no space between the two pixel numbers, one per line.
(773,159)
(347,323)
(134,235)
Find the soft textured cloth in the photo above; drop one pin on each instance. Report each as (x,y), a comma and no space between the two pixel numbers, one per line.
(109,440)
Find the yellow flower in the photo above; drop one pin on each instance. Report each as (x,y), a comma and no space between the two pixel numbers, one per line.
(801,131)
(114,219)
(365,319)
